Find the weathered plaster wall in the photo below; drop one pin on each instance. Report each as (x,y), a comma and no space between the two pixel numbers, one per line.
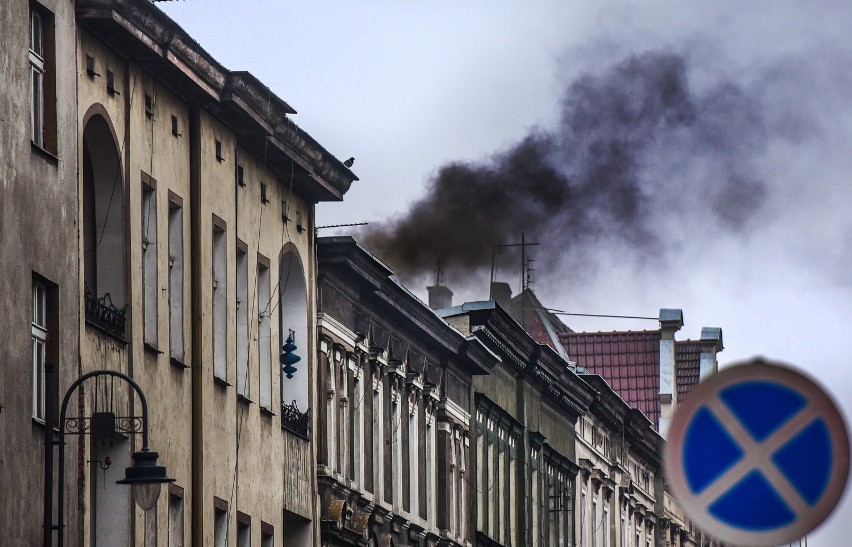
(38,211)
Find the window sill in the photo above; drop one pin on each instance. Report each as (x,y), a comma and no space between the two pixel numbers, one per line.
(292,431)
(103,332)
(39,422)
(266,412)
(221,382)
(178,363)
(243,399)
(150,348)
(53,158)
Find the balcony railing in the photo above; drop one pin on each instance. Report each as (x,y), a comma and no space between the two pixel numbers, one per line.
(295,420)
(103,314)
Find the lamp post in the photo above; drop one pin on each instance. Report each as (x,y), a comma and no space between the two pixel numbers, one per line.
(144,477)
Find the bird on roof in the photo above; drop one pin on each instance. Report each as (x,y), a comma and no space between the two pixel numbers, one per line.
(349,162)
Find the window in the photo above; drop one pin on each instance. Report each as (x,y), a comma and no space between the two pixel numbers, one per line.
(219,151)
(111,83)
(220,301)
(267,535)
(242,321)
(176,345)
(243,530)
(585,524)
(264,332)
(103,229)
(293,315)
(37,80)
(39,327)
(175,516)
(149,259)
(149,106)
(151,527)
(42,80)
(220,522)
(595,520)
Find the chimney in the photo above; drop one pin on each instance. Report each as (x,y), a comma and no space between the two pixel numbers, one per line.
(711,344)
(440,297)
(501,293)
(671,320)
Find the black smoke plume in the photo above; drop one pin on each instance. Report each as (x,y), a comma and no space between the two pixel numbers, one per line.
(638,161)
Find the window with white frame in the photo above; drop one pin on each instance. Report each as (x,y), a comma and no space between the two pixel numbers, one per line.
(584,538)
(39,334)
(37,69)
(264,333)
(37,77)
(176,341)
(596,520)
(42,79)
(149,263)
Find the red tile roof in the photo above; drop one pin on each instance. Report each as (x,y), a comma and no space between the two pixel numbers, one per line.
(688,357)
(537,320)
(629,362)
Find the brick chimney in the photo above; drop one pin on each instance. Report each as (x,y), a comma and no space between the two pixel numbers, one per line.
(440,297)
(711,344)
(501,293)
(671,320)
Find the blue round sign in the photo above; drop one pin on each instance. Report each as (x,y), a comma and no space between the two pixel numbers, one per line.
(757,455)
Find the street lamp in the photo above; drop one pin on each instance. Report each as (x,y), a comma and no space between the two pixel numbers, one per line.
(144,477)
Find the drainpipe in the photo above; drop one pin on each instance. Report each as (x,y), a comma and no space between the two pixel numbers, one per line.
(671,320)
(196,229)
(711,344)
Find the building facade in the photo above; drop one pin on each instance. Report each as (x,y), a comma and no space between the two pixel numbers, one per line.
(394,444)
(620,485)
(157,219)
(38,242)
(526,410)
(197,233)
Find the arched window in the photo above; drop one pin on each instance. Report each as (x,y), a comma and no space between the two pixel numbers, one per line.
(294,317)
(103,228)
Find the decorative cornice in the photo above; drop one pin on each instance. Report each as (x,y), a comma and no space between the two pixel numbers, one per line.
(257,116)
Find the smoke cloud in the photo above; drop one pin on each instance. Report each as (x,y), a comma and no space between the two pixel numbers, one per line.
(637,162)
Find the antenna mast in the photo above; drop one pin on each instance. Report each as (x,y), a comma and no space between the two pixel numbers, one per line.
(525,266)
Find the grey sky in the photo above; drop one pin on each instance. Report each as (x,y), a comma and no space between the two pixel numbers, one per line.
(406,87)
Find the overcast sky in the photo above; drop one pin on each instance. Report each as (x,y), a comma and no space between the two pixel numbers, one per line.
(720,130)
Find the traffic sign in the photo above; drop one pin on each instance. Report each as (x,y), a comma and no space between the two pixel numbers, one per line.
(757,454)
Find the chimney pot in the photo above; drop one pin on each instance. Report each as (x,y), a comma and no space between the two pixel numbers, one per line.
(440,297)
(501,293)
(711,344)
(671,319)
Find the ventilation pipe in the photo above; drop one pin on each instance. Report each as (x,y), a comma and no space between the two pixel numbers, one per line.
(671,320)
